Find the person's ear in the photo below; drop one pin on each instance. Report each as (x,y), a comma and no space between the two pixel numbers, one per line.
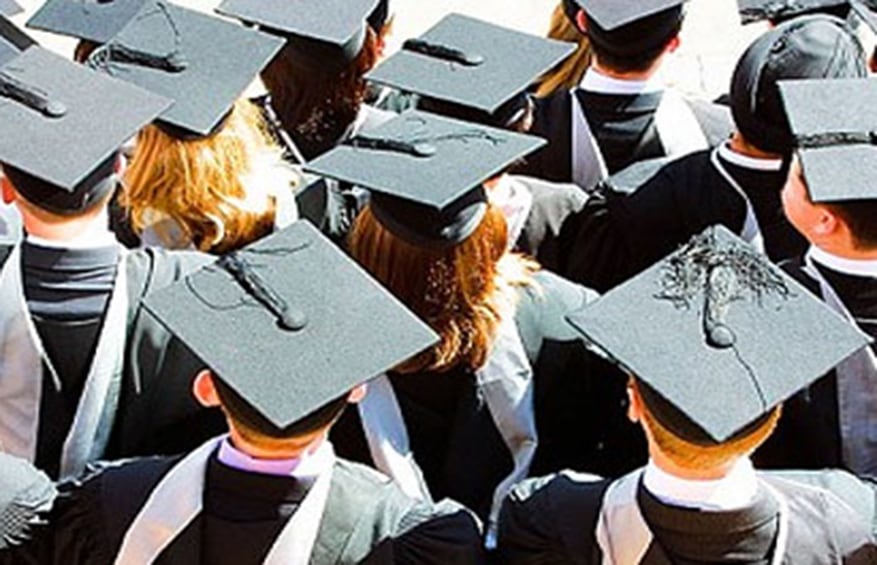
(634,402)
(827,224)
(673,44)
(7,189)
(357,394)
(205,390)
(582,21)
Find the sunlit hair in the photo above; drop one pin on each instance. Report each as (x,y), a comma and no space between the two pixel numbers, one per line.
(218,189)
(691,456)
(318,105)
(462,292)
(569,73)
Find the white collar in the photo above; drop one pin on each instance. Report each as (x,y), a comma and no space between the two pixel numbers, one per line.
(96,234)
(854,267)
(595,81)
(735,491)
(306,468)
(753,163)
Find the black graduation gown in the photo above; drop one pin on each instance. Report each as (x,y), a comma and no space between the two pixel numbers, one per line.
(624,126)
(366,520)
(808,434)
(156,413)
(621,232)
(548,521)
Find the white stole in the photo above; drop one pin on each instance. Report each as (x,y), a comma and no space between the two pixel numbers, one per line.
(678,130)
(22,361)
(178,498)
(506,383)
(856,390)
(624,536)
(751,230)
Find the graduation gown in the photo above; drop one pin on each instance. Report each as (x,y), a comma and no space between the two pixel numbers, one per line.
(148,407)
(623,125)
(621,231)
(809,433)
(556,519)
(366,519)
(467,440)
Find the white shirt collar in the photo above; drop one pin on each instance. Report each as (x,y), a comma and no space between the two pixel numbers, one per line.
(96,234)
(854,267)
(754,163)
(595,81)
(306,468)
(735,491)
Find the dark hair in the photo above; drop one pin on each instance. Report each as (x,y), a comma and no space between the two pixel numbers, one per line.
(316,104)
(636,46)
(243,413)
(860,216)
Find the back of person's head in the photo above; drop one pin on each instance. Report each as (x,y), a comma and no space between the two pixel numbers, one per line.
(673,433)
(809,47)
(461,291)
(217,188)
(318,103)
(569,73)
(637,46)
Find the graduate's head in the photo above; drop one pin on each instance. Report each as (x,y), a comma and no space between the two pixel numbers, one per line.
(630,37)
(279,324)
(430,233)
(717,338)
(218,188)
(830,195)
(809,47)
(678,439)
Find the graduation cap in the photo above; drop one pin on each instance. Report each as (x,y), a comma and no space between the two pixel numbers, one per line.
(627,28)
(835,127)
(814,46)
(26,497)
(717,336)
(319,33)
(9,8)
(200,61)
(93,20)
(61,125)
(473,64)
(426,173)
(290,323)
(778,11)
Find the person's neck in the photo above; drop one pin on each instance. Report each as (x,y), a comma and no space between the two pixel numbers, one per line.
(267,449)
(665,464)
(638,76)
(846,251)
(92,227)
(738,144)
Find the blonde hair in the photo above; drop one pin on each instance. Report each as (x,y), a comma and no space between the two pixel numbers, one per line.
(462,292)
(569,73)
(221,190)
(691,456)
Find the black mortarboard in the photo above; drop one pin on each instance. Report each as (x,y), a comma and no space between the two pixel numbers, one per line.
(834,123)
(12,41)
(718,336)
(96,21)
(290,323)
(9,8)
(627,28)
(471,63)
(815,46)
(200,61)
(26,497)
(426,173)
(778,11)
(61,125)
(320,33)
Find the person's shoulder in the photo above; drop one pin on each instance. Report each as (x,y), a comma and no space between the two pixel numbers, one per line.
(544,305)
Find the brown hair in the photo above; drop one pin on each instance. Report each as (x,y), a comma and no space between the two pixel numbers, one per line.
(860,217)
(212,187)
(691,456)
(462,291)
(569,73)
(317,105)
